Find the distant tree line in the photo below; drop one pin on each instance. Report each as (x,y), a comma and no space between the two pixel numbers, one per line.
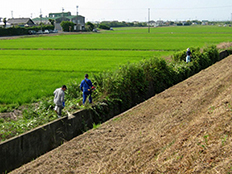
(124,24)
(108,24)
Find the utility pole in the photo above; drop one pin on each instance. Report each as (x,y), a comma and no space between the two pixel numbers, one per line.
(148,20)
(41,20)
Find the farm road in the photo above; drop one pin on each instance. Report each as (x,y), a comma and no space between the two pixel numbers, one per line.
(185,129)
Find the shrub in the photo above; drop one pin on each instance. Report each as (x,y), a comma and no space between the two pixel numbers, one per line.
(126,84)
(89,26)
(212,53)
(104,26)
(130,82)
(67,25)
(179,56)
(73,90)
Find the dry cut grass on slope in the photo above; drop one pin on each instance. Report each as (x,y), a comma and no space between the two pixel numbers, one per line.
(185,129)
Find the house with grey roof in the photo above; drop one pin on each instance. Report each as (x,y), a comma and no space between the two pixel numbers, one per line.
(21,22)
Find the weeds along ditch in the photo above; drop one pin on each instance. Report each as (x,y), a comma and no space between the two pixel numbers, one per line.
(121,72)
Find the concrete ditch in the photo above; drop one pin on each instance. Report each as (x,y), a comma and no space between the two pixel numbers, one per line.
(30,145)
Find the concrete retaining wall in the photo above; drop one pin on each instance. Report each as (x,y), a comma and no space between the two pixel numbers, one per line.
(28,146)
(223,54)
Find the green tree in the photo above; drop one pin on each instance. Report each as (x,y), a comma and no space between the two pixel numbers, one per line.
(67,26)
(52,21)
(188,23)
(104,26)
(4,21)
(89,26)
(171,23)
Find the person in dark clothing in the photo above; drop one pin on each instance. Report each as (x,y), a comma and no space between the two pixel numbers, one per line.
(188,55)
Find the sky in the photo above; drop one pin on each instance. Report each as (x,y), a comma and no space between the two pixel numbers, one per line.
(122,10)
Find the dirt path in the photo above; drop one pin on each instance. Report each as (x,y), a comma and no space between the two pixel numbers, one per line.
(185,129)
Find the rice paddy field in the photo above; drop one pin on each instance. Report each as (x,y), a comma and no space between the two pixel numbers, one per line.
(32,67)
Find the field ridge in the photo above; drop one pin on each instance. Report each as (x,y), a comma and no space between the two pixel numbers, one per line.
(91,49)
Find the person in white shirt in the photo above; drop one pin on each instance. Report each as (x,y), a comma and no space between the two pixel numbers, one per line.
(59,99)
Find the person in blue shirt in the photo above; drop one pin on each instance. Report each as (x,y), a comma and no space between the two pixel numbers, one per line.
(86,86)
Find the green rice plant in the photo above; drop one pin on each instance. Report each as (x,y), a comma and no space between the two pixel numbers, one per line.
(224,140)
(117,119)
(95,126)
(165,38)
(206,138)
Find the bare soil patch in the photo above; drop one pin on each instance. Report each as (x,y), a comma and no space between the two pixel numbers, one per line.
(224,45)
(185,129)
